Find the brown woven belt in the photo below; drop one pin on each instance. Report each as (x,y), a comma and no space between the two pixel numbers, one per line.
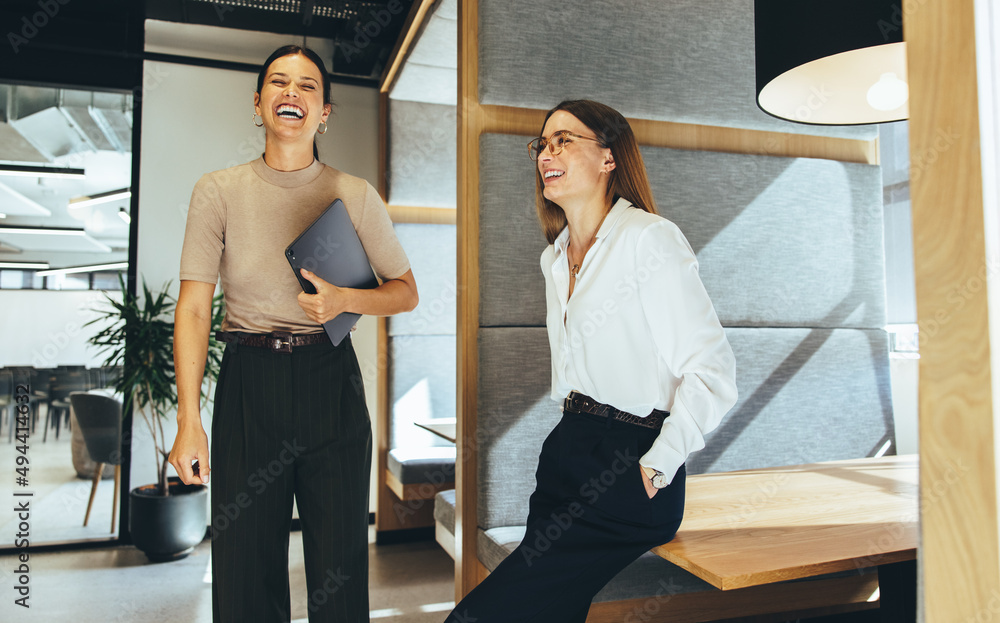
(277,341)
(582,403)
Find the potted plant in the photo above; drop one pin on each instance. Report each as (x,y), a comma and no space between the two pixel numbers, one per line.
(167,518)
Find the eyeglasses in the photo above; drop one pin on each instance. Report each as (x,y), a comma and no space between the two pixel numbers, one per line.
(556,143)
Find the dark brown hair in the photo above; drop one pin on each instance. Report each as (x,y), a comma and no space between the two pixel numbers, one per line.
(627,180)
(292,50)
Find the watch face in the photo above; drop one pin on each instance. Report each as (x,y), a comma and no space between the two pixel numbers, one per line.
(659,480)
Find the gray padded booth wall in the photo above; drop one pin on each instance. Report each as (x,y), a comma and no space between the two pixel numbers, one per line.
(422,145)
(688,61)
(422,342)
(791,254)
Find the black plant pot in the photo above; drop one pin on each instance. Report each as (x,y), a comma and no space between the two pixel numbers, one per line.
(168,527)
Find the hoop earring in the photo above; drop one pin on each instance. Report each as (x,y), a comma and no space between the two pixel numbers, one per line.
(253,118)
(323,127)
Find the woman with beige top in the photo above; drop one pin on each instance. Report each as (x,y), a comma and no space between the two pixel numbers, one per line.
(290,420)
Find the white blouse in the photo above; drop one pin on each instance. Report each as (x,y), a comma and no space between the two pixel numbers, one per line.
(640,332)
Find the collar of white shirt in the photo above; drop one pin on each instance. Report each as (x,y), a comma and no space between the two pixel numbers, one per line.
(612,217)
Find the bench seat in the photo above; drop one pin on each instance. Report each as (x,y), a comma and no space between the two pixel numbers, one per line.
(419,473)
(645,577)
(444,520)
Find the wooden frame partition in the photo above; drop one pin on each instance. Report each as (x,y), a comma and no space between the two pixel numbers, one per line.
(475,119)
(385,519)
(955,254)
(470,124)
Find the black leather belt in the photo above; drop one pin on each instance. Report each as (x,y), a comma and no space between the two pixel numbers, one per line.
(582,403)
(277,341)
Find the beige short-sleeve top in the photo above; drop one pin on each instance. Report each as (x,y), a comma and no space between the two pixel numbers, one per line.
(240,221)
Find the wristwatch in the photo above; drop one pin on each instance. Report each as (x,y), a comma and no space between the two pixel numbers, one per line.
(658,479)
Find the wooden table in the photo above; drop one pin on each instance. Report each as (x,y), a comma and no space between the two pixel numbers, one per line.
(443,427)
(762,526)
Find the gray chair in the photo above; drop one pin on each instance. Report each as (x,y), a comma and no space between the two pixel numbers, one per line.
(100,420)
(7,402)
(63,381)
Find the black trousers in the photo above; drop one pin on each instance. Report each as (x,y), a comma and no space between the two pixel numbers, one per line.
(588,518)
(290,425)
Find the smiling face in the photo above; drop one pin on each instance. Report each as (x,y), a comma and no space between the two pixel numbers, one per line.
(579,172)
(291,99)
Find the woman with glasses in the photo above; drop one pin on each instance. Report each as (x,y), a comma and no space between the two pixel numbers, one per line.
(290,421)
(640,363)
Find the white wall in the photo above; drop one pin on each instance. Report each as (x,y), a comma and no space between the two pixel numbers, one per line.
(904,370)
(45,328)
(198,119)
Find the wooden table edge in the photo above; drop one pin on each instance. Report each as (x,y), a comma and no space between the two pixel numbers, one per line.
(786,574)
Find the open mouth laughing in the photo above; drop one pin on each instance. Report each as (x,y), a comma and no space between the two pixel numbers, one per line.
(288,111)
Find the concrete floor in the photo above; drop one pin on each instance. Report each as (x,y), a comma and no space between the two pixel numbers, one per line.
(410,583)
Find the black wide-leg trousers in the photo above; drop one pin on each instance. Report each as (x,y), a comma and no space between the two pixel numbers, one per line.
(290,426)
(588,518)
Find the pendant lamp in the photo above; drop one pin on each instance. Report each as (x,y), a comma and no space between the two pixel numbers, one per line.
(831,62)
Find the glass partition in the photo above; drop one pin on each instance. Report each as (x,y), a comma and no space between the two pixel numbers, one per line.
(65,179)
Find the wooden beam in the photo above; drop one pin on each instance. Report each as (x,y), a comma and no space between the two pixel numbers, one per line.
(385,518)
(528,122)
(415,214)
(382,184)
(960,553)
(470,124)
(414,22)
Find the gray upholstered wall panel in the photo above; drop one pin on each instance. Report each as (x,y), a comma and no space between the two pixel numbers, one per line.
(431,250)
(515,415)
(806,395)
(429,73)
(422,146)
(437,44)
(781,241)
(689,60)
(511,289)
(421,387)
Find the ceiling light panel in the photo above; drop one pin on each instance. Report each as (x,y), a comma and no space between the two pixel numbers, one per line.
(41,239)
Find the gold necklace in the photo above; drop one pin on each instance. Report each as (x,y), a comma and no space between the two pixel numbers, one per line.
(576,267)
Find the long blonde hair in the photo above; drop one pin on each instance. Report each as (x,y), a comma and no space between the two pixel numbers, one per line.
(627,180)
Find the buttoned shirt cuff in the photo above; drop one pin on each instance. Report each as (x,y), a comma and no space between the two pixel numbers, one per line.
(663,458)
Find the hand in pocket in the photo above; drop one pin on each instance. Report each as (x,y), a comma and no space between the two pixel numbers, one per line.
(648,484)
